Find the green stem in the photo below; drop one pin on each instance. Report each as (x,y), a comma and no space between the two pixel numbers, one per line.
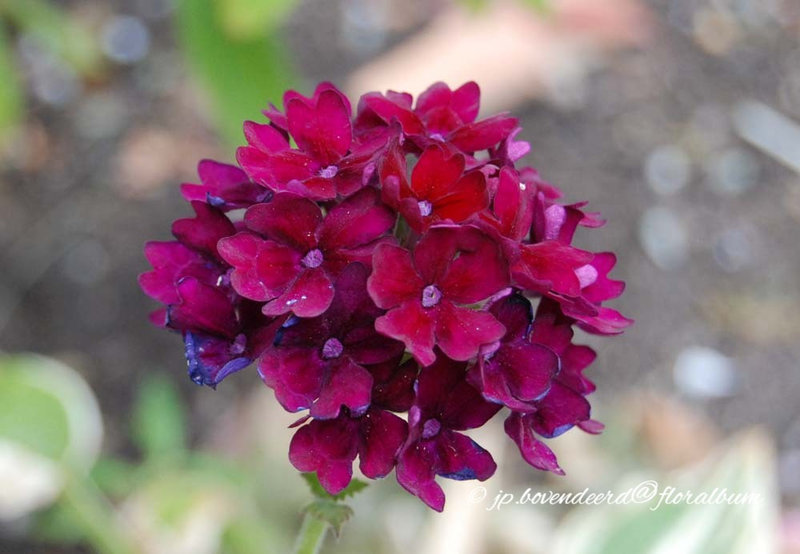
(312,535)
(94,513)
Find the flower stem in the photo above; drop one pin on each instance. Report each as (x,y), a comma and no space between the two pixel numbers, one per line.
(312,535)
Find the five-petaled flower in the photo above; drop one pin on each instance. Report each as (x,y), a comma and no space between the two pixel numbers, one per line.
(399,261)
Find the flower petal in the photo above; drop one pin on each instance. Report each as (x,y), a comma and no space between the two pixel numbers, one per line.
(329,448)
(358,220)
(308,296)
(224,186)
(460,332)
(322,130)
(518,374)
(482,134)
(411,324)
(435,173)
(394,279)
(559,411)
(383,433)
(202,308)
(265,138)
(204,231)
(514,311)
(415,472)
(348,384)
(172,261)
(465,198)
(289,219)
(389,110)
(211,359)
(534,451)
(466,101)
(295,374)
(461,458)
(262,268)
(550,266)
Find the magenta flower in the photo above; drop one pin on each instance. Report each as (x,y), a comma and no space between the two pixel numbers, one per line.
(225,187)
(327,162)
(320,363)
(425,294)
(387,264)
(439,191)
(440,116)
(293,265)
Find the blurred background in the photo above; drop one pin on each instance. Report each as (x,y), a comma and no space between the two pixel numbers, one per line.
(679,120)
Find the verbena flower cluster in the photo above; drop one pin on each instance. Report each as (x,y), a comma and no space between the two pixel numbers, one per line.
(395,262)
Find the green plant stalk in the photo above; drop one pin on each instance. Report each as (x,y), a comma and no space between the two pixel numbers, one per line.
(311,536)
(94,513)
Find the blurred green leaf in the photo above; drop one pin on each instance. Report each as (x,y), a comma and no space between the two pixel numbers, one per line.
(57,31)
(541,6)
(331,512)
(159,429)
(49,408)
(246,534)
(10,93)
(31,416)
(58,524)
(240,75)
(355,486)
(115,478)
(250,19)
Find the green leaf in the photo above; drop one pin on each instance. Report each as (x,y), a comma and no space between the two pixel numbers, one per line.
(311,479)
(58,524)
(331,512)
(249,19)
(32,417)
(48,408)
(57,31)
(159,429)
(115,478)
(10,92)
(240,75)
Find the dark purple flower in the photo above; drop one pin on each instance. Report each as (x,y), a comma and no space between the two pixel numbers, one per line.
(328,447)
(387,264)
(517,372)
(445,404)
(320,363)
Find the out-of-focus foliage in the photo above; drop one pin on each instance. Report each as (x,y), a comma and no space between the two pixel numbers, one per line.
(57,31)
(541,6)
(53,29)
(49,410)
(250,19)
(176,500)
(241,69)
(158,425)
(10,93)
